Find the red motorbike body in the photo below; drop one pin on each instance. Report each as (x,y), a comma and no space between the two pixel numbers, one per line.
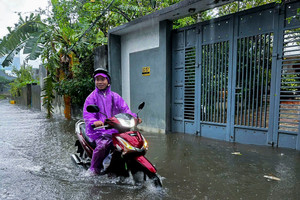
(129,147)
(121,141)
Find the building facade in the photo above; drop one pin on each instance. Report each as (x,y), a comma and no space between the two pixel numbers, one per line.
(235,78)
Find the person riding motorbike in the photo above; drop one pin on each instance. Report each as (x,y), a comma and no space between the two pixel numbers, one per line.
(110,103)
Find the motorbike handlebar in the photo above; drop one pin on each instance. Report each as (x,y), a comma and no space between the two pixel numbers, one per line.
(99,127)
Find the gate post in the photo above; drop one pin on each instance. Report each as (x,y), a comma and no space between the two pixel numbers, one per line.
(276,76)
(231,83)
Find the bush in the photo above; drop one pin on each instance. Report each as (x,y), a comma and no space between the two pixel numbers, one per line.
(24,77)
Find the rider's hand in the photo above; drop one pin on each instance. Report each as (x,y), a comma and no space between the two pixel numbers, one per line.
(139,121)
(98,123)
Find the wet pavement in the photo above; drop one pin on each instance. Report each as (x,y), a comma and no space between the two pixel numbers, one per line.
(35,163)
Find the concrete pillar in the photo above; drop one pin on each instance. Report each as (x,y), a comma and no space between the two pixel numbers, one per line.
(101,57)
(115,62)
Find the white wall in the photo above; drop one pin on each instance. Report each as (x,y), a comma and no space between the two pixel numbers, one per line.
(143,39)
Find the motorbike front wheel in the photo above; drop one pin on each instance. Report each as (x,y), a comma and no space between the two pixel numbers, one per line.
(144,174)
(154,178)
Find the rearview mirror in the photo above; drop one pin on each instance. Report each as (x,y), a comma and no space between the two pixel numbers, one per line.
(141,106)
(92,109)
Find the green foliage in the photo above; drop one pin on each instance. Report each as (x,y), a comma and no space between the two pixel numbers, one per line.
(290,82)
(24,77)
(227,9)
(295,17)
(184,22)
(242,5)
(81,85)
(48,96)
(26,33)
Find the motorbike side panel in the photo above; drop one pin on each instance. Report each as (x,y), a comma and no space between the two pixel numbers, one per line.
(79,129)
(132,137)
(89,150)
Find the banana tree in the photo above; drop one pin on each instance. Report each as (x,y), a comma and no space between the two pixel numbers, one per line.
(36,38)
(27,34)
(51,39)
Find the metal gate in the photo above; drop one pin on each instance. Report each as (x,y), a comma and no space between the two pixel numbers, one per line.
(237,78)
(288,86)
(184,81)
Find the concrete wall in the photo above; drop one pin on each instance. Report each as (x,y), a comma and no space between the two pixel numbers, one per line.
(22,99)
(144,39)
(30,96)
(36,97)
(154,88)
(149,89)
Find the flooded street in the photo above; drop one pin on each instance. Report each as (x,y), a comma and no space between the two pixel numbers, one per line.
(35,163)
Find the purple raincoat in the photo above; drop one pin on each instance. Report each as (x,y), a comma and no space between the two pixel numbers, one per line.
(111,104)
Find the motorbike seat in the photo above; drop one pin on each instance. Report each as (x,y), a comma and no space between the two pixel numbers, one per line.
(86,138)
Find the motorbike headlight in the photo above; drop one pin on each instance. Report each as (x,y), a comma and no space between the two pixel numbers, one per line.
(127,123)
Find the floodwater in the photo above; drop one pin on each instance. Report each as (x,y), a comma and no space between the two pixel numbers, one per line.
(35,163)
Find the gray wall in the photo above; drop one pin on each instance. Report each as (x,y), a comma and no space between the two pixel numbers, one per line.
(30,96)
(154,89)
(148,88)
(36,97)
(22,99)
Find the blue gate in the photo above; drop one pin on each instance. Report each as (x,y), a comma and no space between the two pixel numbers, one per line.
(237,78)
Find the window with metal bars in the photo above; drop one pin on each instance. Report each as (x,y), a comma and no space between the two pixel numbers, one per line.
(214,82)
(189,83)
(289,107)
(253,80)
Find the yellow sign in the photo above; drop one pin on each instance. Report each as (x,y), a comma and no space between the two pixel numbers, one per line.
(146,71)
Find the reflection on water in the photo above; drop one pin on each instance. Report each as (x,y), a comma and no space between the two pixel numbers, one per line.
(35,164)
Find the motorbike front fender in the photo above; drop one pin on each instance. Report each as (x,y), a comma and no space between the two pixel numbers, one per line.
(146,163)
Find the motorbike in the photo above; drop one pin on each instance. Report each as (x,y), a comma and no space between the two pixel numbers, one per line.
(127,157)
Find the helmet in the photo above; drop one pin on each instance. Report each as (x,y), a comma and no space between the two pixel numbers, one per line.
(101,70)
